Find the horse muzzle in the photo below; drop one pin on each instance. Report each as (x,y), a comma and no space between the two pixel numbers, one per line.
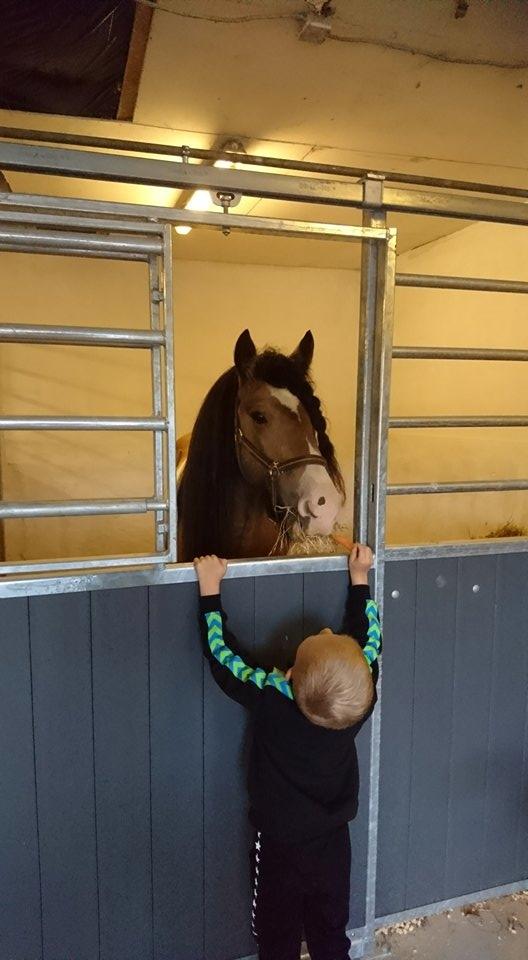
(318,503)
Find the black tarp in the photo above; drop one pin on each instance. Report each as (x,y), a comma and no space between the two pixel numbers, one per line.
(64,56)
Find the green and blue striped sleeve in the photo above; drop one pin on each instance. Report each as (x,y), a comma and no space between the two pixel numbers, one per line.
(362,622)
(372,647)
(240,680)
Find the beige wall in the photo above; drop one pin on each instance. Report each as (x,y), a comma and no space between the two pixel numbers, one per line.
(214,302)
(54,380)
(217,301)
(455,318)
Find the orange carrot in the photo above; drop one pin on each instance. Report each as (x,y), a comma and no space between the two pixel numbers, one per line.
(343,541)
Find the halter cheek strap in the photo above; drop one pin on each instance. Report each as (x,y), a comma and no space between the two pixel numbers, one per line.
(274,468)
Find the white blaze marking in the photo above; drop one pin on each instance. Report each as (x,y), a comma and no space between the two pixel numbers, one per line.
(286,398)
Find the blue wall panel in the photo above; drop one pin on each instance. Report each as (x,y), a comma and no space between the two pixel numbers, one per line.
(62,700)
(123,811)
(122,772)
(176,769)
(228,837)
(397,714)
(20,913)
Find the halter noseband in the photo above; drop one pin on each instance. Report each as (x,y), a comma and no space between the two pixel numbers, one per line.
(274,468)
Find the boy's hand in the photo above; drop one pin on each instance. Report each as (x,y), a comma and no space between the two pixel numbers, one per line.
(359,563)
(210,571)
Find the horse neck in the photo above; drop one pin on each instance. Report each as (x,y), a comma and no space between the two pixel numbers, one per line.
(220,511)
(252,532)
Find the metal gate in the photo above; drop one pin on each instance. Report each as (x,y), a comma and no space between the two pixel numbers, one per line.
(57,232)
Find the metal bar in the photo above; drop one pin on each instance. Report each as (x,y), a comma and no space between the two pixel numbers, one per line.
(235,222)
(190,176)
(458,548)
(332,169)
(400,422)
(441,906)
(83,423)
(157,399)
(383,336)
(172,542)
(434,204)
(19,585)
(77,508)
(470,486)
(186,176)
(2,525)
(68,252)
(460,283)
(457,353)
(33,218)
(15,582)
(155,561)
(381,398)
(49,239)
(374,217)
(80,336)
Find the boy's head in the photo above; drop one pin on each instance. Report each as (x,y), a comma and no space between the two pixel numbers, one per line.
(332,680)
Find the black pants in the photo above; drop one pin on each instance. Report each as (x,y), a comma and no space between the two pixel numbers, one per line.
(302,887)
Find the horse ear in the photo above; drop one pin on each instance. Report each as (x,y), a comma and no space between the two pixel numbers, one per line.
(303,354)
(245,353)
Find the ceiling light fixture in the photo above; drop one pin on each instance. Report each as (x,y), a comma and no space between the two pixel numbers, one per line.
(203,200)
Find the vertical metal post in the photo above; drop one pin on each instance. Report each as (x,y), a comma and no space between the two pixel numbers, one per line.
(373,216)
(172,546)
(380,402)
(157,401)
(377,324)
(2,527)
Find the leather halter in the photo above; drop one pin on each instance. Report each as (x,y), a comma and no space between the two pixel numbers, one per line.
(274,468)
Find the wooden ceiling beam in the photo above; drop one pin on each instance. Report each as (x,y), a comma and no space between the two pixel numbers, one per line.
(135,60)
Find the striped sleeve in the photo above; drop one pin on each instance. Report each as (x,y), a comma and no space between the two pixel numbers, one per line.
(373,645)
(236,665)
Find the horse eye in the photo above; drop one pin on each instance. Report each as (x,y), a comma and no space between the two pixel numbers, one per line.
(258,417)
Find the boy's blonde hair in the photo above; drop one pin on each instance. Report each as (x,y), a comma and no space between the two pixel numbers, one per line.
(332,681)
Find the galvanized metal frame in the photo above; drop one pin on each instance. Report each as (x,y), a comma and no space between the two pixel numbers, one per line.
(183,152)
(93,165)
(378,449)
(112,239)
(422,281)
(99,229)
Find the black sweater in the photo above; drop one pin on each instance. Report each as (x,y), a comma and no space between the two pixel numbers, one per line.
(303,778)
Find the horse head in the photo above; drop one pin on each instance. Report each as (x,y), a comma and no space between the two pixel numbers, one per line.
(281,439)
(260,470)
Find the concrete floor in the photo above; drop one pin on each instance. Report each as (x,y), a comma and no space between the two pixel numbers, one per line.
(494,930)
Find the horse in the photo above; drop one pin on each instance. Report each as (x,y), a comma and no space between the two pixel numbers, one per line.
(260,470)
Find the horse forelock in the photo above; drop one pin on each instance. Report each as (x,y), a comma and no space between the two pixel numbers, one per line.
(283,372)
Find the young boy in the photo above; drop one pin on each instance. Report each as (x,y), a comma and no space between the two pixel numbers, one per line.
(303,778)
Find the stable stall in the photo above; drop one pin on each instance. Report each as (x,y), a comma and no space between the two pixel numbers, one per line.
(123,787)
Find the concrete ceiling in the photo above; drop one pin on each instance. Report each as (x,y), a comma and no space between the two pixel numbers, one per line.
(400,85)
(256,79)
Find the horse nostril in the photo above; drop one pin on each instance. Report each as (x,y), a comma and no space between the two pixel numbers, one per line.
(321,501)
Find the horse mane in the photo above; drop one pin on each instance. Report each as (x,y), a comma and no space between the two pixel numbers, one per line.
(211,471)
